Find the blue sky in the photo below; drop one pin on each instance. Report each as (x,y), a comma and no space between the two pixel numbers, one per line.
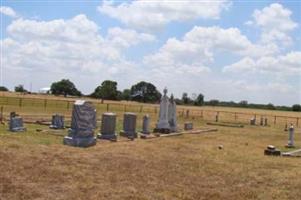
(227,50)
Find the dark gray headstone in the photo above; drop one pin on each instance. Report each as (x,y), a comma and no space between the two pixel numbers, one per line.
(108,127)
(145,124)
(16,124)
(253,121)
(261,121)
(265,121)
(129,125)
(57,122)
(188,126)
(83,123)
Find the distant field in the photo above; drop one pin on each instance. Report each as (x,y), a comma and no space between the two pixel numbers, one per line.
(43,106)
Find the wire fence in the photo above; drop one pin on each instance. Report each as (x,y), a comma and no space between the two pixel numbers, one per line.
(43,109)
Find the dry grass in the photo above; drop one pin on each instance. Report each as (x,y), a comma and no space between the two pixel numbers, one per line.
(35,165)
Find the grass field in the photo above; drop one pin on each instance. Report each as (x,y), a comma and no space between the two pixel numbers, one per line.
(36,165)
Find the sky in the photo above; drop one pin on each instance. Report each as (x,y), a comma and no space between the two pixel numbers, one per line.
(226,50)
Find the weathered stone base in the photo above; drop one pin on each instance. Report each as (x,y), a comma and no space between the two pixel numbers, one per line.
(289,146)
(79,142)
(270,152)
(130,135)
(19,129)
(112,137)
(56,127)
(162,130)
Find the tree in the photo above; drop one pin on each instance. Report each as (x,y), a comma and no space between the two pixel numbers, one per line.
(213,102)
(185,98)
(270,107)
(107,90)
(145,92)
(20,88)
(3,89)
(199,100)
(296,108)
(243,103)
(64,87)
(126,94)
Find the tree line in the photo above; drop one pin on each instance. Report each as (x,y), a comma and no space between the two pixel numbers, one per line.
(147,93)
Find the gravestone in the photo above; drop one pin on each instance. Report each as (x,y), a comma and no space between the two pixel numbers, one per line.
(163,126)
(253,121)
(290,143)
(108,127)
(261,121)
(172,114)
(16,123)
(188,126)
(129,125)
(272,151)
(145,124)
(57,122)
(265,121)
(83,123)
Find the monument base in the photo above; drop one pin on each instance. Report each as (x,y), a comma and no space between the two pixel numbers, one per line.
(270,152)
(130,135)
(162,130)
(79,142)
(289,146)
(112,137)
(18,129)
(56,127)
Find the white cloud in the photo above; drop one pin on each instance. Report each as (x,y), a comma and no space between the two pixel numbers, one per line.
(275,22)
(198,48)
(68,48)
(123,38)
(8,11)
(289,64)
(150,15)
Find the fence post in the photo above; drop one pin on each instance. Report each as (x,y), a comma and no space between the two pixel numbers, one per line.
(68,105)
(235,116)
(141,108)
(274,119)
(108,106)
(20,102)
(1,114)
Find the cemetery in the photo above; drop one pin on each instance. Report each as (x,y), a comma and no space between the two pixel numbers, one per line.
(113,149)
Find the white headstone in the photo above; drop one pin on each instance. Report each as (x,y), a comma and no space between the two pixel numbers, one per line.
(291,136)
(172,114)
(163,115)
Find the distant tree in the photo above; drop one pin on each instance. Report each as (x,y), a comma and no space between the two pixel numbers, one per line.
(185,98)
(199,100)
(270,106)
(296,108)
(126,94)
(107,90)
(3,89)
(145,92)
(243,103)
(20,88)
(213,102)
(64,87)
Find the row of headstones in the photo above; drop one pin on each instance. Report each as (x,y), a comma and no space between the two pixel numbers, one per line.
(263,121)
(83,123)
